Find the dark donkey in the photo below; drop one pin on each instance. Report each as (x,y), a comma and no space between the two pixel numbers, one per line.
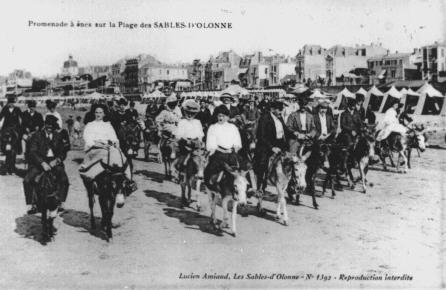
(131,132)
(150,135)
(45,195)
(111,186)
(10,142)
(191,170)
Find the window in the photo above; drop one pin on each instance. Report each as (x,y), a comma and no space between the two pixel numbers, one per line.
(167,72)
(266,70)
(401,62)
(442,52)
(392,73)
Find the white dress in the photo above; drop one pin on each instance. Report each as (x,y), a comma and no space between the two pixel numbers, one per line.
(99,131)
(389,124)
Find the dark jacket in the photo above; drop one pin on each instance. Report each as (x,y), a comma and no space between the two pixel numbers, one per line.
(361,113)
(350,122)
(31,123)
(204,116)
(39,145)
(132,114)
(266,135)
(13,118)
(295,125)
(331,127)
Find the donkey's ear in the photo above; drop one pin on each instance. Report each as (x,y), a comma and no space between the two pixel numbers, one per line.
(305,156)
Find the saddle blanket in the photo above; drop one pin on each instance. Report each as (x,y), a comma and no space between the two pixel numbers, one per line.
(96,157)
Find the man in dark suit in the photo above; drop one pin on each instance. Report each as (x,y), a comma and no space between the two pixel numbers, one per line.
(272,138)
(350,124)
(12,119)
(359,106)
(47,151)
(324,124)
(32,120)
(132,113)
(204,115)
(301,123)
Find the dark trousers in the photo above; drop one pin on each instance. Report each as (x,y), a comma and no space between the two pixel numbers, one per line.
(62,186)
(217,161)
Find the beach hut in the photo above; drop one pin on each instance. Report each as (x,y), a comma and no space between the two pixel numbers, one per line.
(391,95)
(409,100)
(373,98)
(430,101)
(361,91)
(341,99)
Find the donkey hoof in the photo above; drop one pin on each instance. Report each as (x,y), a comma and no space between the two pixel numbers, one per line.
(224,225)
(316,206)
(234,234)
(285,223)
(198,208)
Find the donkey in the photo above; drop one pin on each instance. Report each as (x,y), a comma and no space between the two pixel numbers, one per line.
(150,136)
(228,185)
(416,139)
(395,142)
(45,194)
(191,170)
(167,148)
(363,151)
(131,132)
(286,172)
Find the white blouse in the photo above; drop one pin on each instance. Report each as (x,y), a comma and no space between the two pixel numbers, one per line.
(99,131)
(189,129)
(224,135)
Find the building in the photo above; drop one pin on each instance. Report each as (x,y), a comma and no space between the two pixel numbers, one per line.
(70,67)
(281,67)
(117,75)
(96,71)
(18,82)
(222,70)
(196,73)
(131,80)
(311,63)
(153,76)
(433,66)
(342,60)
(392,67)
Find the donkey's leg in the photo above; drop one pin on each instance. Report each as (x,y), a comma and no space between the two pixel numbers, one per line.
(91,204)
(213,203)
(234,216)
(197,193)
(405,161)
(409,151)
(224,205)
(183,191)
(313,192)
(362,164)
(282,202)
(45,234)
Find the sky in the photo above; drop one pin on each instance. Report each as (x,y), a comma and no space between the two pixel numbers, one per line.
(283,26)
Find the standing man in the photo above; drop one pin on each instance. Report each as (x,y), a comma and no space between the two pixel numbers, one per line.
(272,138)
(359,106)
(11,115)
(226,99)
(301,123)
(46,152)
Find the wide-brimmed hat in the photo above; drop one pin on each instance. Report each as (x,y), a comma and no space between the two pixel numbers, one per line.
(171,99)
(31,104)
(323,105)
(226,96)
(12,98)
(277,104)
(51,120)
(50,104)
(191,106)
(351,102)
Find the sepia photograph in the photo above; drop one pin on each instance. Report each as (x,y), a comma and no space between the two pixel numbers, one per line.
(167,144)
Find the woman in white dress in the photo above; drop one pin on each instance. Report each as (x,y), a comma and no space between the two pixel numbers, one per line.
(101,143)
(390,123)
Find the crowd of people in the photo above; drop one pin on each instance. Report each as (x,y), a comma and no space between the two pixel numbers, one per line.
(278,126)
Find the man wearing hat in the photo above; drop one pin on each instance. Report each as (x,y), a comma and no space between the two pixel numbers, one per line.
(350,124)
(359,106)
(301,123)
(46,152)
(272,138)
(324,123)
(132,113)
(119,116)
(11,114)
(204,114)
(32,121)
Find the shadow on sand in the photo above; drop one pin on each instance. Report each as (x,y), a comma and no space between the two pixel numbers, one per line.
(151,175)
(176,210)
(80,219)
(30,227)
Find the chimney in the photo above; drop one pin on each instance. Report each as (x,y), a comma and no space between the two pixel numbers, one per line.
(387,52)
(396,51)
